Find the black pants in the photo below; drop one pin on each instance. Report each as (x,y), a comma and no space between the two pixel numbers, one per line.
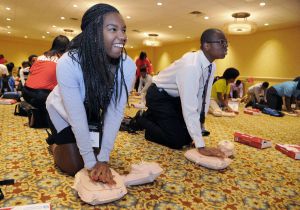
(163,120)
(274,101)
(36,97)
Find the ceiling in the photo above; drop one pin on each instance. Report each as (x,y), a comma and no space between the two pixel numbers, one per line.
(33,18)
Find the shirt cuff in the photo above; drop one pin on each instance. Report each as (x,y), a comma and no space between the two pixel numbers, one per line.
(89,160)
(103,155)
(199,142)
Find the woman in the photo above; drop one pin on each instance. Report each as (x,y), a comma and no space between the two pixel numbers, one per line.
(42,76)
(142,62)
(220,93)
(93,82)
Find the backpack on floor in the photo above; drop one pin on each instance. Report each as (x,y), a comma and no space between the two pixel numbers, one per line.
(22,108)
(272,112)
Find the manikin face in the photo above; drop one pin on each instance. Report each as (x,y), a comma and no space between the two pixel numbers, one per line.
(114,33)
(217,47)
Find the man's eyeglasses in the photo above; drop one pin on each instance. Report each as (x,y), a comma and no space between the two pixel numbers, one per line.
(222,42)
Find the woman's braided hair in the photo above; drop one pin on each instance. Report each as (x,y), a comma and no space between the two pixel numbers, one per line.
(95,63)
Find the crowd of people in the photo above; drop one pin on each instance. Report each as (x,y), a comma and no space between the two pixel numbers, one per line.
(83,89)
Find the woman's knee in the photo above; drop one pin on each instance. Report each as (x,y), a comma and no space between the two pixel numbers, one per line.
(68,158)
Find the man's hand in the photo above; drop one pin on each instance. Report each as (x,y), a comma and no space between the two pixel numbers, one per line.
(211,151)
(102,173)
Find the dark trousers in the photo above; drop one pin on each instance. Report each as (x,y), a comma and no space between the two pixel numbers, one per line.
(163,120)
(274,101)
(36,97)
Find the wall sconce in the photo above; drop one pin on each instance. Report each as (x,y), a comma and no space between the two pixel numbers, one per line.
(152,40)
(241,25)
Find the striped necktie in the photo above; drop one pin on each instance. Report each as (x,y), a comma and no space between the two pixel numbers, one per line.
(202,114)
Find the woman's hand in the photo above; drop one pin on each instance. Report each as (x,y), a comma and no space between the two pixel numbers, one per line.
(102,173)
(211,151)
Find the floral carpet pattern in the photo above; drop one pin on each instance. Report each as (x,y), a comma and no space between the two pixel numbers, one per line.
(256,179)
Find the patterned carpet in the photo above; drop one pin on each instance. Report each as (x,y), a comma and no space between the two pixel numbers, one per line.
(257,179)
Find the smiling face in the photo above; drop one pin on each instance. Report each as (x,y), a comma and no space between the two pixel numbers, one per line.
(114,34)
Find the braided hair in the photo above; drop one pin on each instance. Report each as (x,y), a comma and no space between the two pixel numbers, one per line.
(88,50)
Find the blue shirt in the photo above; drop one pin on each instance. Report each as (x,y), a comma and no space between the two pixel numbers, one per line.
(286,89)
(65,107)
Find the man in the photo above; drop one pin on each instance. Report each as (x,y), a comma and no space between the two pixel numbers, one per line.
(180,94)
(256,94)
(285,90)
(144,84)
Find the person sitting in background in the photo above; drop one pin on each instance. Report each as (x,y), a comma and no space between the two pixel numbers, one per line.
(31,59)
(91,94)
(2,59)
(24,72)
(42,76)
(256,94)
(142,62)
(7,82)
(236,89)
(220,93)
(144,84)
(287,90)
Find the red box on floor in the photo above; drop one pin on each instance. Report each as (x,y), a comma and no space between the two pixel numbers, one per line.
(252,141)
(290,150)
(40,206)
(252,111)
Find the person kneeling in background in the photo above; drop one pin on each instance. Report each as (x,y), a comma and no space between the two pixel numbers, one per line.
(220,93)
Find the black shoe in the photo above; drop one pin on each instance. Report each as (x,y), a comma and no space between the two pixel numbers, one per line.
(133,124)
(205,133)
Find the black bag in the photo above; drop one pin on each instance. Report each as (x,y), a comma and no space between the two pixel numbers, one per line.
(22,108)
(37,118)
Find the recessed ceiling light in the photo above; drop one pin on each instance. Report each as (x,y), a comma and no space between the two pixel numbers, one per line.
(262,4)
(43,37)
(62,18)
(75,5)
(48,32)
(206,17)
(128,17)
(54,26)
(8,32)
(7,26)
(8,19)
(7,8)
(131,46)
(159,4)
(266,24)
(25,37)
(170,26)
(188,37)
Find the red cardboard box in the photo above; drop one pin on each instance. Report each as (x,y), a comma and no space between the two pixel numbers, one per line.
(290,150)
(252,141)
(252,111)
(40,206)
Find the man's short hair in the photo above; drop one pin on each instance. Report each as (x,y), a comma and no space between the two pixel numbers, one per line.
(143,69)
(265,85)
(207,34)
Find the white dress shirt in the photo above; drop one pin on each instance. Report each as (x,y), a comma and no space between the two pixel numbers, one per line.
(186,78)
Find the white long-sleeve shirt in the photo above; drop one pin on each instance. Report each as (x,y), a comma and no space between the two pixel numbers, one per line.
(186,78)
(144,84)
(65,105)
(257,91)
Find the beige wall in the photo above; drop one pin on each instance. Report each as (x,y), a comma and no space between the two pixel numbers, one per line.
(17,50)
(269,55)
